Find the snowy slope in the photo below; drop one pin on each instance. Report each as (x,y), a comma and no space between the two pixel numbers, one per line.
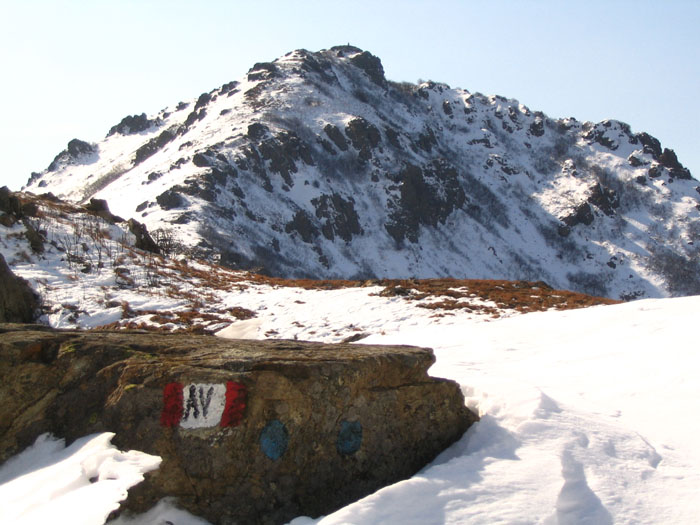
(315,165)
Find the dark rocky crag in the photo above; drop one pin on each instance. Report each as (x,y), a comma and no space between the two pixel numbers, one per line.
(18,302)
(249,431)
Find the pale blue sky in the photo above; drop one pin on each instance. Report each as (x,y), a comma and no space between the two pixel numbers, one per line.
(75,68)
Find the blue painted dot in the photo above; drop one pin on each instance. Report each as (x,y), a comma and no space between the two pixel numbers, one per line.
(274,439)
(349,438)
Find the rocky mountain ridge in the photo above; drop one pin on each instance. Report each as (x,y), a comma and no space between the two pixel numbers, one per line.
(315,165)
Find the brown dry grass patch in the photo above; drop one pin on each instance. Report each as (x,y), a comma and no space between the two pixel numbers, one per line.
(523,296)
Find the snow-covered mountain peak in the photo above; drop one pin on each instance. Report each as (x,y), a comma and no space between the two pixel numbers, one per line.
(316,165)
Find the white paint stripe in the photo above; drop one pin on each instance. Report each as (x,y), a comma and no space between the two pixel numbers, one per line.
(203,405)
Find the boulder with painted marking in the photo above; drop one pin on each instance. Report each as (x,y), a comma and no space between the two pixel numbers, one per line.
(249,431)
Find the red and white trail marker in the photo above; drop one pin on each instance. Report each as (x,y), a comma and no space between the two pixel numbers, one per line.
(203,405)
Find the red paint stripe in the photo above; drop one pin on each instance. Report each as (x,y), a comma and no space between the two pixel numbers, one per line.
(236,395)
(172,405)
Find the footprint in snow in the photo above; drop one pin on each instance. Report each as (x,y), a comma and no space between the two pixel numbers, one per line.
(577,504)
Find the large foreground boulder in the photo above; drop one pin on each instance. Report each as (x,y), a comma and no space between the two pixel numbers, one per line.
(18,302)
(249,431)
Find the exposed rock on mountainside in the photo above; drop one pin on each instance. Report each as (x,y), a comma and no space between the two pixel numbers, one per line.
(315,165)
(249,431)
(77,152)
(18,302)
(132,124)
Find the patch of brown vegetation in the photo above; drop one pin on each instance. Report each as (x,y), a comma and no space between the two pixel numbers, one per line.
(443,296)
(213,276)
(306,284)
(453,304)
(33,203)
(193,321)
(241,313)
(196,329)
(523,296)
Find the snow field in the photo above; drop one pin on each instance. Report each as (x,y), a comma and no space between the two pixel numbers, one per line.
(587,418)
(80,484)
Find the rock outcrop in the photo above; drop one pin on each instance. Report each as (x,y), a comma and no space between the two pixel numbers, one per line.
(77,152)
(249,431)
(18,302)
(144,241)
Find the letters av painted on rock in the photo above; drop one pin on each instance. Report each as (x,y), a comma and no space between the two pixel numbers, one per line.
(203,405)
